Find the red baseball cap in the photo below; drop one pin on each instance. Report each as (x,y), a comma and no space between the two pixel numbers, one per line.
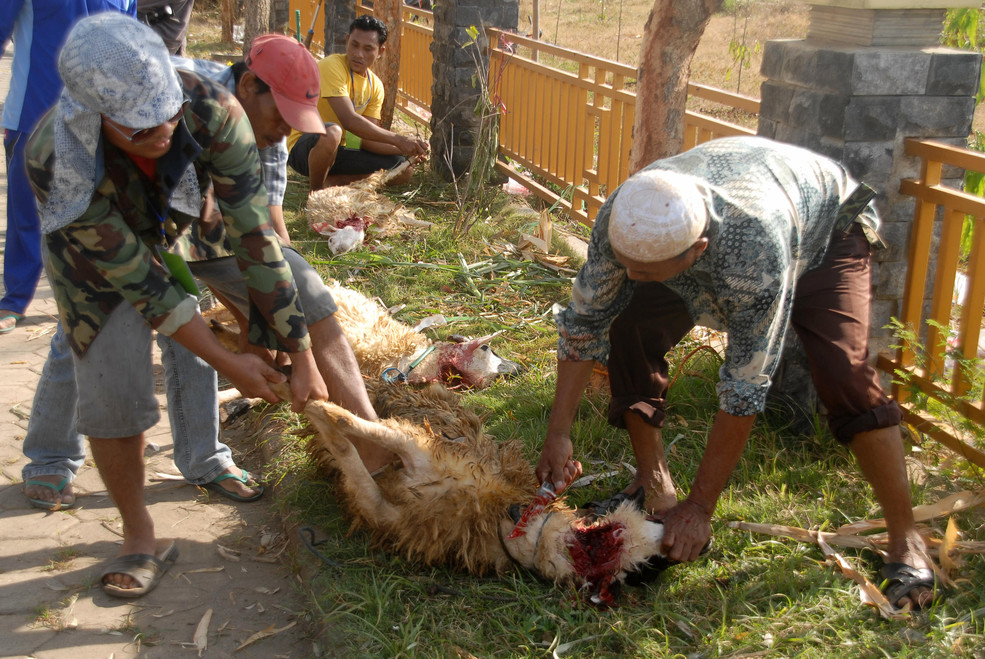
(292,73)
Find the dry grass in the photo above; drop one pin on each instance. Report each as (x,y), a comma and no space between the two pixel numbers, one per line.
(595,27)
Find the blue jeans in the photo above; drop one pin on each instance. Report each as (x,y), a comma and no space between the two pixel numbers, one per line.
(22,252)
(55,448)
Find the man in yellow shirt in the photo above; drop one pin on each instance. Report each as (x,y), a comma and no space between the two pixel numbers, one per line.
(352,101)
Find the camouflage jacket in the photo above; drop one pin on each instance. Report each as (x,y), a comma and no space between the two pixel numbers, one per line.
(110,254)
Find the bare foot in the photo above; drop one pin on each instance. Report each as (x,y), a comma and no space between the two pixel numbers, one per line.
(50,494)
(658,498)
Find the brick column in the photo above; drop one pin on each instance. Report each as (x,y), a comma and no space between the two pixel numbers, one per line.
(453,98)
(863,81)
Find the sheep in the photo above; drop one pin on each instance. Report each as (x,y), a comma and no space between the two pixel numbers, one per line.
(381,343)
(455,496)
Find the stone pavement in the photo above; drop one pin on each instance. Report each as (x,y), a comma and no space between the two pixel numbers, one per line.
(51,605)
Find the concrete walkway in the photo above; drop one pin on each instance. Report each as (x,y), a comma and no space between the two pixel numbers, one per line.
(51,605)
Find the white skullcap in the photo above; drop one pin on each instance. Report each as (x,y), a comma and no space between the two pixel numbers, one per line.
(657,215)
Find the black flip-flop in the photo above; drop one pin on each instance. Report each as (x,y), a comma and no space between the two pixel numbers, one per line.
(900,579)
(144,569)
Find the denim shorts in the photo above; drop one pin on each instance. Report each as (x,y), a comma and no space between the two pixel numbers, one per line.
(116,392)
(224,277)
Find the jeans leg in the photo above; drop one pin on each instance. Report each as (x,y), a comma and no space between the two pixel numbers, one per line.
(193,410)
(52,444)
(22,251)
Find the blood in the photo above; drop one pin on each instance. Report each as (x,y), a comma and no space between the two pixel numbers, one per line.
(595,553)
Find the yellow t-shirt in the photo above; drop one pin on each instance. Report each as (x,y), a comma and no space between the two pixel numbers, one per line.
(337,79)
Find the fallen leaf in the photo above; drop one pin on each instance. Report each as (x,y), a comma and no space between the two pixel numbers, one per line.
(870,593)
(946,506)
(227,553)
(264,633)
(949,564)
(204,569)
(201,637)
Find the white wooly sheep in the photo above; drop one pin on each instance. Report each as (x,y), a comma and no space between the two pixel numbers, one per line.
(455,501)
(380,343)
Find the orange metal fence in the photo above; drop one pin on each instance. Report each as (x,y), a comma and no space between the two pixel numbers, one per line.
(307,10)
(567,120)
(414,97)
(934,374)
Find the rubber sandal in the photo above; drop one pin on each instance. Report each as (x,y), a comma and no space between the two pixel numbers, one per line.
(144,569)
(900,579)
(18,317)
(243,478)
(50,506)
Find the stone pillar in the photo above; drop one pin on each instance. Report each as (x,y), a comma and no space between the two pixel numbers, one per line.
(453,98)
(862,81)
(339,14)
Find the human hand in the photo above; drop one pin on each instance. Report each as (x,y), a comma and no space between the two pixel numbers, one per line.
(252,375)
(557,464)
(306,382)
(246,348)
(413,147)
(687,529)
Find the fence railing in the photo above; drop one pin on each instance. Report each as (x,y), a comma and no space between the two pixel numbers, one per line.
(567,121)
(949,334)
(415,62)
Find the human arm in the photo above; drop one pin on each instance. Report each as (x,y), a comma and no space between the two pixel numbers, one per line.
(367,128)
(687,526)
(557,463)
(248,372)
(230,158)
(274,162)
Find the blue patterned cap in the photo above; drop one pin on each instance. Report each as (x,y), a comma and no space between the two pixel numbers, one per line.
(116,66)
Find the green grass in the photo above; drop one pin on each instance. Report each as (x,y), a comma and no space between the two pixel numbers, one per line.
(752,595)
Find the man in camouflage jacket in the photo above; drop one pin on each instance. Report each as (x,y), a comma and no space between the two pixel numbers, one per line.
(120,166)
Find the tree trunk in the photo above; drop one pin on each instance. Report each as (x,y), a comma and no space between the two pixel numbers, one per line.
(388,67)
(228,19)
(256,21)
(670,38)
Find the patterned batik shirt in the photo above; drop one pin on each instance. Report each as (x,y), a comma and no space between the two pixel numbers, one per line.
(773,209)
(109,254)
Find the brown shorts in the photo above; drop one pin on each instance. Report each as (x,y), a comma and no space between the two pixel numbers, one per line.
(830,315)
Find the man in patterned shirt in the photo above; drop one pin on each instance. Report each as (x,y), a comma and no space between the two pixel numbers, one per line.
(120,166)
(750,237)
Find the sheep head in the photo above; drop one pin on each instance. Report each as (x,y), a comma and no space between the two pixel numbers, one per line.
(460,361)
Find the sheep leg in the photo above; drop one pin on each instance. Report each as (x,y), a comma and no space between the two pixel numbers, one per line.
(335,425)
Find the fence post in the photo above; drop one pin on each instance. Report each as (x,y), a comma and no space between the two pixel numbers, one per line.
(453,97)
